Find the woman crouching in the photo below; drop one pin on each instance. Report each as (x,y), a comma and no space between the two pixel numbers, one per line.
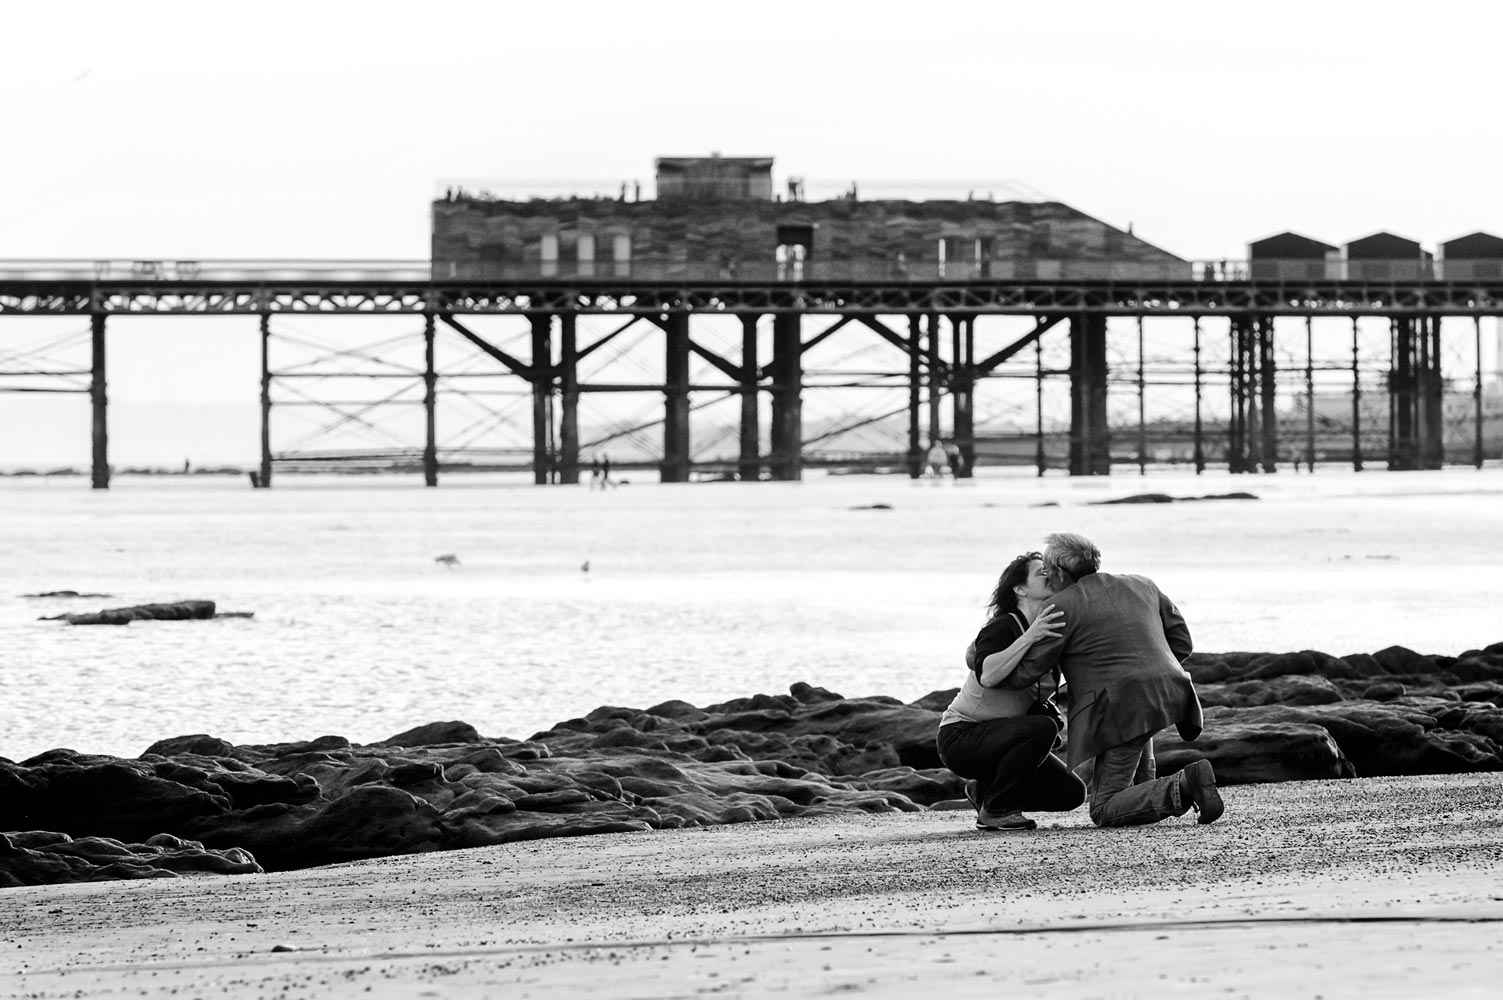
(1001,739)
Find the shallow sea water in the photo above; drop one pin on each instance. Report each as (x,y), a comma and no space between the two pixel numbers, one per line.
(702,592)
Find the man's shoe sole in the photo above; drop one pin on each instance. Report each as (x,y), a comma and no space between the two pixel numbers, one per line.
(1203,792)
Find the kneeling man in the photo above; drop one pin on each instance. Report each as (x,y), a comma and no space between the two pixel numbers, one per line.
(1121,648)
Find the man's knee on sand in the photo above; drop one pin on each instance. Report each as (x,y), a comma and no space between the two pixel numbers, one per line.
(1156,799)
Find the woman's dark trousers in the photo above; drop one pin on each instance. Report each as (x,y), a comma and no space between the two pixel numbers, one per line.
(1011,763)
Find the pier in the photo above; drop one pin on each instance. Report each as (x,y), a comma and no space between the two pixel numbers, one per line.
(941,339)
(739,330)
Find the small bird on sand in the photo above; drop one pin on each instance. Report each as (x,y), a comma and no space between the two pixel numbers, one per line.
(585,566)
(448,559)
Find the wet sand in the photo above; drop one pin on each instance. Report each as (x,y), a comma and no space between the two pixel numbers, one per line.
(1375,887)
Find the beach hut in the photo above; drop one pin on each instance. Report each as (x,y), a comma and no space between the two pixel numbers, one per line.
(1292,256)
(1467,258)
(1386,257)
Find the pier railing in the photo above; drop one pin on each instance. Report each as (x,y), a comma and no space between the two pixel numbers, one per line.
(889,272)
(758,272)
(232,269)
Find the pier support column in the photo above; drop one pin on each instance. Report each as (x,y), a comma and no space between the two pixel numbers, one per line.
(1477,395)
(1356,402)
(99,402)
(935,380)
(1142,407)
(1309,396)
(1090,440)
(675,398)
(1040,456)
(1244,444)
(1267,386)
(749,463)
(1199,454)
(1430,395)
(264,481)
(568,420)
(1403,395)
(962,393)
(915,397)
(542,393)
(430,406)
(787,459)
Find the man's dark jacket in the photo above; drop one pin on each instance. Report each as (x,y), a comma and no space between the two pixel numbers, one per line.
(1120,650)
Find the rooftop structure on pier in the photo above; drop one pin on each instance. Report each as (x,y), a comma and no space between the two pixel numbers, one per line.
(714,178)
(718,218)
(1290,255)
(1468,258)
(1379,257)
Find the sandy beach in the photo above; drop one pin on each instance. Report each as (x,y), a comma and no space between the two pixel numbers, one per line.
(1371,887)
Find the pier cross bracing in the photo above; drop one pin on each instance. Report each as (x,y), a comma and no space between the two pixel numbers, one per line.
(965,316)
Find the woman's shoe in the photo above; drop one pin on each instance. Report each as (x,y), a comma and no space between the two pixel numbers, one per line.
(1007,822)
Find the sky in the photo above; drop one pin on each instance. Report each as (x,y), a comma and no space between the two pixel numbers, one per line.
(164,130)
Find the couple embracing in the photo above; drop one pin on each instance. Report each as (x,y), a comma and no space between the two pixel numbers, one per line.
(1119,644)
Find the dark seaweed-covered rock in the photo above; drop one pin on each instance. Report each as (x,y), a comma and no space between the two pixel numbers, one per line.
(1135,498)
(1390,738)
(1254,752)
(1283,690)
(86,796)
(1166,498)
(434,733)
(199,744)
(323,801)
(810,752)
(176,611)
(43,857)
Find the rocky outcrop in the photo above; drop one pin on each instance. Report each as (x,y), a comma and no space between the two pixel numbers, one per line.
(42,858)
(1269,717)
(443,786)
(1166,498)
(1256,752)
(1392,712)
(1404,736)
(176,611)
(1286,690)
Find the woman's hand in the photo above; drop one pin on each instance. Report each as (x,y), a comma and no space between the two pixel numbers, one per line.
(1046,625)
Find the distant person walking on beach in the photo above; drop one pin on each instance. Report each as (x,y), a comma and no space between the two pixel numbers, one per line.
(1121,646)
(1001,738)
(952,458)
(934,461)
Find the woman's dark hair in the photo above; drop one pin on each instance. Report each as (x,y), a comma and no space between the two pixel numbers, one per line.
(1015,575)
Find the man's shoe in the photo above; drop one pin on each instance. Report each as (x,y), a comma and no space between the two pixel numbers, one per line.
(1198,783)
(971,796)
(1007,822)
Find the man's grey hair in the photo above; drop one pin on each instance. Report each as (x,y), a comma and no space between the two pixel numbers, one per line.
(1075,555)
